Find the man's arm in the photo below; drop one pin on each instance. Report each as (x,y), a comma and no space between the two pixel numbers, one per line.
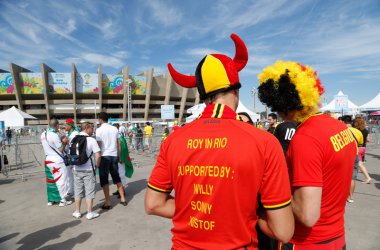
(159,203)
(97,159)
(306,204)
(118,149)
(278,223)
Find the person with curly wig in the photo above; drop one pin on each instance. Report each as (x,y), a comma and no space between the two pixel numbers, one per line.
(359,123)
(320,157)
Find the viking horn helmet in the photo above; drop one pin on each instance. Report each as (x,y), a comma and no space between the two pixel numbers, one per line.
(215,73)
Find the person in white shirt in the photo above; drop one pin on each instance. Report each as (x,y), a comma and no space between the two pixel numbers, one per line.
(71,132)
(123,130)
(84,175)
(55,169)
(107,137)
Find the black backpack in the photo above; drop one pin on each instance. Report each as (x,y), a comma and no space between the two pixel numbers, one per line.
(77,152)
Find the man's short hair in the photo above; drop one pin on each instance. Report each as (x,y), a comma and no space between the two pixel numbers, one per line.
(148,123)
(273,115)
(103,116)
(85,125)
(347,119)
(53,123)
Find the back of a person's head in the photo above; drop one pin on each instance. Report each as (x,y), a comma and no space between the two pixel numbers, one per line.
(85,125)
(53,123)
(148,123)
(359,123)
(347,119)
(103,116)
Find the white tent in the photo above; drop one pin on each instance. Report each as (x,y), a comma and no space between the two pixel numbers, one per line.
(341,103)
(197,109)
(374,104)
(242,108)
(14,117)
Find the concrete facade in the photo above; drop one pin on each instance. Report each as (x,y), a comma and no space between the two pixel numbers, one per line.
(160,90)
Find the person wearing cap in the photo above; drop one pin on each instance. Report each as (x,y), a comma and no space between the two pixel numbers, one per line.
(320,157)
(218,166)
(71,132)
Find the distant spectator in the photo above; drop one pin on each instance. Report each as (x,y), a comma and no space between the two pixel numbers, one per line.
(272,120)
(139,138)
(165,134)
(148,131)
(84,175)
(107,137)
(122,130)
(8,135)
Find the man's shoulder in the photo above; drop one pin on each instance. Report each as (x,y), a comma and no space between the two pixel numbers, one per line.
(90,139)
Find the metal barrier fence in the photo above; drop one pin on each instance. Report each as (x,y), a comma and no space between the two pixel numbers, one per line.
(24,157)
(374,131)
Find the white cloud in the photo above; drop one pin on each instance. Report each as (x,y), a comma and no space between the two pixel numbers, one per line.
(122,54)
(157,70)
(49,26)
(164,14)
(71,26)
(201,52)
(105,60)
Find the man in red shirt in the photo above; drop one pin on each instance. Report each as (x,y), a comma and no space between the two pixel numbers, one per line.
(320,156)
(218,166)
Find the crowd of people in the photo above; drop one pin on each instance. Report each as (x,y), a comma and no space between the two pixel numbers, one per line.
(237,186)
(72,159)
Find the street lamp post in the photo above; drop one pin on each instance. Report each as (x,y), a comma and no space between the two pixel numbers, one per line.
(253,93)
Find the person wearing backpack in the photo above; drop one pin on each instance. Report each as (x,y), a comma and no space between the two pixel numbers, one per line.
(82,148)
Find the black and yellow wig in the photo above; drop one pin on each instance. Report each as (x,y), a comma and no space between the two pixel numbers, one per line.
(290,86)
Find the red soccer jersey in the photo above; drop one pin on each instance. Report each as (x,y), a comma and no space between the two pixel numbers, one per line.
(322,154)
(217,166)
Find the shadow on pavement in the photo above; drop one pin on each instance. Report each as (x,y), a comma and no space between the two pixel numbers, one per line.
(8,237)
(134,188)
(373,155)
(70,243)
(1,201)
(6,181)
(39,238)
(375,176)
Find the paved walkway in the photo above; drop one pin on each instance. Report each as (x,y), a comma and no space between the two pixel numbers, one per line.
(27,223)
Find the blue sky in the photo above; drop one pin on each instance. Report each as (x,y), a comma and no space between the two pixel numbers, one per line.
(340,39)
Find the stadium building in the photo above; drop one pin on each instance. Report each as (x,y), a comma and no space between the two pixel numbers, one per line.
(78,95)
